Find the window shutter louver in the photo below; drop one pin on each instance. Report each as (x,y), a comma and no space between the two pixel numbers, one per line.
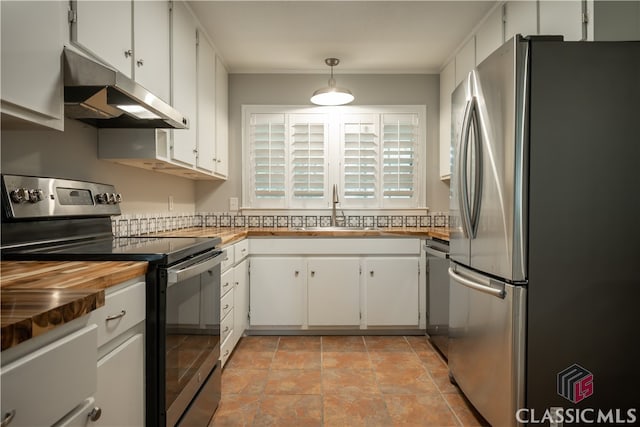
(269,156)
(308,156)
(361,152)
(400,134)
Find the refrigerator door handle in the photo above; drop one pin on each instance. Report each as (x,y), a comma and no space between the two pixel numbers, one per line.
(463,189)
(478,170)
(499,293)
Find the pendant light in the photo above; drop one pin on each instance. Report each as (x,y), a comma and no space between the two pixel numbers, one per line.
(332,95)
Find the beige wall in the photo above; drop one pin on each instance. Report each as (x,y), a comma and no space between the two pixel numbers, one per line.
(295,89)
(73,154)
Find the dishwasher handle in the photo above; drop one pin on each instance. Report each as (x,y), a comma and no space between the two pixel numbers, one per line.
(434,252)
(499,293)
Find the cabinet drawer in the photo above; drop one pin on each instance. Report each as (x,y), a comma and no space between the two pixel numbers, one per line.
(227,259)
(226,304)
(226,326)
(241,250)
(226,282)
(225,349)
(48,383)
(122,310)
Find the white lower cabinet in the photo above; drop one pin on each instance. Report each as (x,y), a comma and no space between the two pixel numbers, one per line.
(277,296)
(333,286)
(120,364)
(120,393)
(391,286)
(234,298)
(335,283)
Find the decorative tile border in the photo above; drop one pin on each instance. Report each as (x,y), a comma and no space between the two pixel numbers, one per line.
(132,225)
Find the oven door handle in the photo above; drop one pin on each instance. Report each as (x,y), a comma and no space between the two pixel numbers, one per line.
(180,273)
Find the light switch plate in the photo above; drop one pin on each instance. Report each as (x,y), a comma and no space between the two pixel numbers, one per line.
(233,204)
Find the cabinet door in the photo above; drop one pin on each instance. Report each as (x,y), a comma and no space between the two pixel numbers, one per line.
(240,299)
(562,18)
(32,39)
(521,17)
(392,291)
(489,36)
(333,287)
(120,392)
(206,106)
(222,119)
(184,77)
(277,293)
(103,28)
(151,29)
(465,60)
(447,85)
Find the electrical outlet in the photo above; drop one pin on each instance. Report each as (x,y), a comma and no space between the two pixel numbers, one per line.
(170,203)
(233,204)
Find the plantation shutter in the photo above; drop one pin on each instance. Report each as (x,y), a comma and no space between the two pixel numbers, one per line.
(399,146)
(308,158)
(360,161)
(268,155)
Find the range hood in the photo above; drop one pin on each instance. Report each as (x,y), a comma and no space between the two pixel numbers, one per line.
(105,98)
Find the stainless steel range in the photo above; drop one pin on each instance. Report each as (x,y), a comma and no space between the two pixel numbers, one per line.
(68,220)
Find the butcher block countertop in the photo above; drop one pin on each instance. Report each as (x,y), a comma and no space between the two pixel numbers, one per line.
(37,296)
(231,235)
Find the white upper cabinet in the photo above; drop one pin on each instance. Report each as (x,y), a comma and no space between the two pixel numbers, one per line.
(521,17)
(104,29)
(152,66)
(465,60)
(489,36)
(447,85)
(32,42)
(222,119)
(562,18)
(184,82)
(206,106)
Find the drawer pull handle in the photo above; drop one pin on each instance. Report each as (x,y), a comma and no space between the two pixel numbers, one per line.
(95,414)
(8,417)
(226,353)
(225,285)
(225,306)
(116,316)
(226,329)
(243,250)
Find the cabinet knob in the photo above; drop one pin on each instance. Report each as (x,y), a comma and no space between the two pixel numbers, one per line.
(128,53)
(225,306)
(95,414)
(225,285)
(371,273)
(226,329)
(140,62)
(296,273)
(226,353)
(8,417)
(313,273)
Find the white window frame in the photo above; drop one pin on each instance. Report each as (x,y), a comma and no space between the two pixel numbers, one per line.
(334,147)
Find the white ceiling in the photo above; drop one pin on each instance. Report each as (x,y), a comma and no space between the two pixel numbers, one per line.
(296,36)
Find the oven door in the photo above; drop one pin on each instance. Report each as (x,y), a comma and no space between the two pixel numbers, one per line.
(192,337)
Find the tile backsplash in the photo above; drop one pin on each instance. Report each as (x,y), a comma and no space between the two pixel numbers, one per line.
(130,225)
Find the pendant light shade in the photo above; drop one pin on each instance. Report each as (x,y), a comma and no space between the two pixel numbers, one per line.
(332,95)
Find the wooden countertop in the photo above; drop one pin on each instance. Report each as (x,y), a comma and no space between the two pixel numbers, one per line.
(37,296)
(232,235)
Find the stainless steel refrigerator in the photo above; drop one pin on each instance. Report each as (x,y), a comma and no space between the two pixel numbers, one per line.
(545,240)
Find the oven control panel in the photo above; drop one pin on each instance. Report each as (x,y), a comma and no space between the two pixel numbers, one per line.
(41,197)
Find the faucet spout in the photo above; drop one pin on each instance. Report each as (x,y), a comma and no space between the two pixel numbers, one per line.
(334,203)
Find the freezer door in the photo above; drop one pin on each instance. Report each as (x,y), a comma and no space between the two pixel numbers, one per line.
(497,183)
(487,342)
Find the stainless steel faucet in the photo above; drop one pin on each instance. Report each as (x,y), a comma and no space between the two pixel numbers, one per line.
(335,202)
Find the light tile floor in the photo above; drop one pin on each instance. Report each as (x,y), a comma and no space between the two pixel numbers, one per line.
(339,381)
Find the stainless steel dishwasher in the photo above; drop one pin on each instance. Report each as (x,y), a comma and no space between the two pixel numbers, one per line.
(438,293)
